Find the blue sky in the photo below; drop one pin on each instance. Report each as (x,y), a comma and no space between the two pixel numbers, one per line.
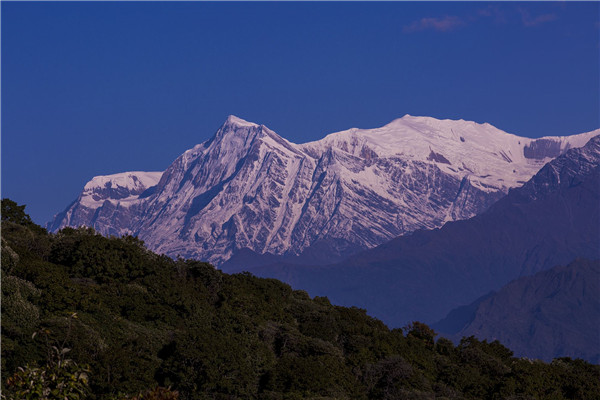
(96,88)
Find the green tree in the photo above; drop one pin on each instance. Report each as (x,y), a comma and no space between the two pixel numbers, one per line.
(15,213)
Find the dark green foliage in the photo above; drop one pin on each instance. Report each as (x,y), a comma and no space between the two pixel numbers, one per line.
(61,378)
(158,393)
(64,380)
(145,321)
(12,212)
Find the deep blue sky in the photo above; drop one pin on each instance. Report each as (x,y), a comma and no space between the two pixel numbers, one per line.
(102,87)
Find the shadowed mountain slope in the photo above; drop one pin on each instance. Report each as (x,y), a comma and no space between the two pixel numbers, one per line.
(551,220)
(554,313)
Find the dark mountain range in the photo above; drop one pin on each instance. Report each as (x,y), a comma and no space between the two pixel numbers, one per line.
(551,220)
(554,313)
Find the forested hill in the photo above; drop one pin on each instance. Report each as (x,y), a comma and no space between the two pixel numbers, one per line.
(113,320)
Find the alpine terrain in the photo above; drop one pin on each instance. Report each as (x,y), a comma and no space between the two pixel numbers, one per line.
(551,220)
(249,189)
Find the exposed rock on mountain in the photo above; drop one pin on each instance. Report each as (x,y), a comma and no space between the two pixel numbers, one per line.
(248,188)
(551,220)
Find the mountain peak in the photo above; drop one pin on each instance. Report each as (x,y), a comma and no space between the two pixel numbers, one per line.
(235,127)
(233,120)
(232,127)
(249,187)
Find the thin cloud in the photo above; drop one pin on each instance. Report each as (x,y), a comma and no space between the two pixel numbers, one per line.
(443,24)
(536,21)
(491,11)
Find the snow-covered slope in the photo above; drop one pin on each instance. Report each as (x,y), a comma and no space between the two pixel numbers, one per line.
(109,202)
(118,188)
(247,187)
(483,151)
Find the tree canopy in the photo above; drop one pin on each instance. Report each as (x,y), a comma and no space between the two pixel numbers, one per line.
(145,323)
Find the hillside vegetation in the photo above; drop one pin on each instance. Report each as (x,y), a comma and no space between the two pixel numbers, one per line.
(116,320)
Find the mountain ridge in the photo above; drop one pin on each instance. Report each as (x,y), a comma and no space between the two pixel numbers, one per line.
(248,187)
(549,221)
(553,313)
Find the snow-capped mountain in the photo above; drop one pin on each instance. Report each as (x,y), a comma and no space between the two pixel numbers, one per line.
(550,220)
(112,202)
(247,187)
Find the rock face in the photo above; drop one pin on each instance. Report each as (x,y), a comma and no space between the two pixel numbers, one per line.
(554,313)
(248,188)
(551,220)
